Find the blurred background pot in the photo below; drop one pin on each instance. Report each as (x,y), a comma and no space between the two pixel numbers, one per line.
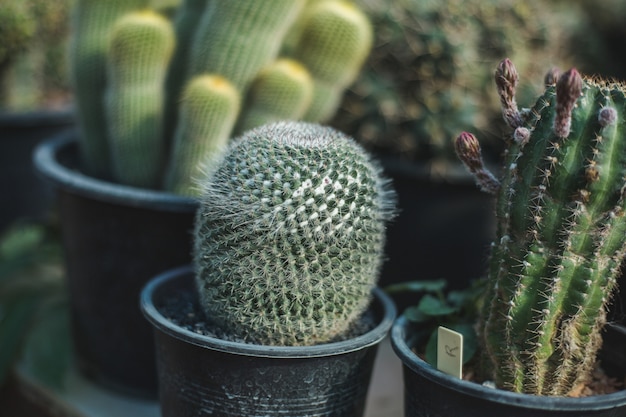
(24,194)
(115,238)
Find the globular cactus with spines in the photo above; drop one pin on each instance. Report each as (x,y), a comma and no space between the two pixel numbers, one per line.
(561,231)
(92,21)
(208,111)
(334,40)
(281,91)
(289,235)
(141,45)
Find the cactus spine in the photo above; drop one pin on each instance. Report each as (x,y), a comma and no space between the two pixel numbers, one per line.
(92,21)
(141,47)
(282,91)
(335,39)
(209,109)
(290,233)
(561,231)
(237,38)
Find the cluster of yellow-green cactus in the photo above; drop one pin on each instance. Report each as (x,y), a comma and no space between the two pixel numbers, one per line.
(155,94)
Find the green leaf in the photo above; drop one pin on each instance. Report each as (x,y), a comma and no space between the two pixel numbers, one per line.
(415,315)
(433,306)
(431,286)
(15,318)
(47,350)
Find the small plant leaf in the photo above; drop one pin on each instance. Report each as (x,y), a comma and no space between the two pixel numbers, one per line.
(415,315)
(431,286)
(432,306)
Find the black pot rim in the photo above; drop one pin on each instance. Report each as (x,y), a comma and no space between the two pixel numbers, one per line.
(46,159)
(533,402)
(37,118)
(363,341)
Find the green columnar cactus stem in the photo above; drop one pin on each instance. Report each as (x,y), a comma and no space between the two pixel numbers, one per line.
(289,235)
(237,38)
(282,91)
(561,234)
(92,21)
(185,23)
(209,109)
(335,39)
(141,46)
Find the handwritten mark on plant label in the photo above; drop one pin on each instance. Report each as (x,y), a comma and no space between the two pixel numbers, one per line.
(450,352)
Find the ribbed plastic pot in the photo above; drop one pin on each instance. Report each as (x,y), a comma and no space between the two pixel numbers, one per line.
(24,194)
(206,376)
(429,392)
(115,239)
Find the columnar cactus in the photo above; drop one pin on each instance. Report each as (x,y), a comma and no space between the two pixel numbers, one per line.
(92,21)
(561,231)
(335,39)
(140,49)
(290,233)
(237,38)
(281,91)
(239,41)
(209,108)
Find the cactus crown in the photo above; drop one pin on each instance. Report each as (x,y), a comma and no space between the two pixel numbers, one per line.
(560,232)
(290,233)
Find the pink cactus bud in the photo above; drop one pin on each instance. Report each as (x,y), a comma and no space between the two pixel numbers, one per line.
(506,78)
(568,90)
(468,150)
(607,116)
(552,76)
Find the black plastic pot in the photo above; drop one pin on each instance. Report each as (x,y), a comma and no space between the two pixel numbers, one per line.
(202,376)
(115,239)
(24,194)
(429,392)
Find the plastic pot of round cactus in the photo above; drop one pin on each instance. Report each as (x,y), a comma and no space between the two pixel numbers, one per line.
(230,378)
(115,238)
(555,262)
(288,246)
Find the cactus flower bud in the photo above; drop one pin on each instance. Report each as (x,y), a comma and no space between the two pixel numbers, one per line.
(568,89)
(468,150)
(506,78)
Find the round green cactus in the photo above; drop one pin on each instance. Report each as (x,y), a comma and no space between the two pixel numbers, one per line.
(561,231)
(289,235)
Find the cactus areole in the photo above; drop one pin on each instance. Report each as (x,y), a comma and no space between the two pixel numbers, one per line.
(561,231)
(290,234)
